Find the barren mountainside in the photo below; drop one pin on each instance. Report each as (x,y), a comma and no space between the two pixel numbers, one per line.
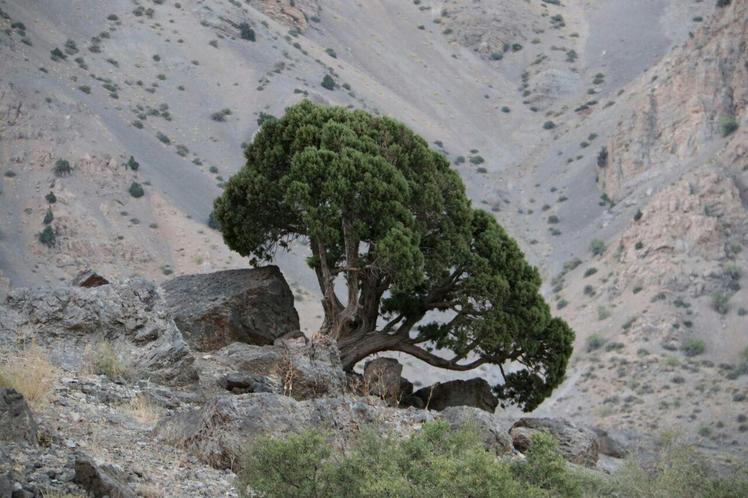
(609,138)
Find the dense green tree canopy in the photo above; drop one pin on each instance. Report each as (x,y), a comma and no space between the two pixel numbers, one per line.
(424,270)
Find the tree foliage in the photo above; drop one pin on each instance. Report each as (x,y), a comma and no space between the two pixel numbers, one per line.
(424,270)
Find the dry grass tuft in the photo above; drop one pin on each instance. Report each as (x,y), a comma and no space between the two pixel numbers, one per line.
(103,360)
(32,374)
(143,410)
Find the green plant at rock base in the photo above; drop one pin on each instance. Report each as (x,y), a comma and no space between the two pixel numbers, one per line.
(364,191)
(443,462)
(435,461)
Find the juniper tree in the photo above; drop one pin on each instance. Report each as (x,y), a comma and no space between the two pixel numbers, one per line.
(424,270)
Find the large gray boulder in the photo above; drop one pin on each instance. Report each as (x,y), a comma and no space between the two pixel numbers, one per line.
(492,429)
(16,422)
(101,480)
(218,431)
(213,310)
(576,444)
(298,368)
(473,392)
(129,315)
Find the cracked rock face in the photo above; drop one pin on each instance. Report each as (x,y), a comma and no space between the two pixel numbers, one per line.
(130,315)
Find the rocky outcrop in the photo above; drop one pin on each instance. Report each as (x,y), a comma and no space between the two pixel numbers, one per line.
(213,310)
(217,432)
(292,13)
(89,278)
(492,429)
(16,422)
(474,392)
(382,377)
(297,368)
(576,444)
(101,480)
(678,112)
(129,315)
(685,228)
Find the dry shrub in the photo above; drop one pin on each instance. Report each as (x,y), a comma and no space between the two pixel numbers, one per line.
(286,371)
(30,373)
(142,410)
(103,360)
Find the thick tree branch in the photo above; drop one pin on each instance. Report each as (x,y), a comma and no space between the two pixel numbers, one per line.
(438,361)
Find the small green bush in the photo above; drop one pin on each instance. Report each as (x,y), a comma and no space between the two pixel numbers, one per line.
(47,237)
(331,52)
(720,302)
(246,32)
(133,164)
(693,347)
(136,190)
(220,116)
(589,272)
(594,342)
(163,138)
(680,471)
(62,168)
(597,247)
(328,83)
(51,198)
(549,125)
(728,125)
(48,217)
(57,55)
(602,157)
(723,3)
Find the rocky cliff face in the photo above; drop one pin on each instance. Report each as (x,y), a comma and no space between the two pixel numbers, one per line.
(681,109)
